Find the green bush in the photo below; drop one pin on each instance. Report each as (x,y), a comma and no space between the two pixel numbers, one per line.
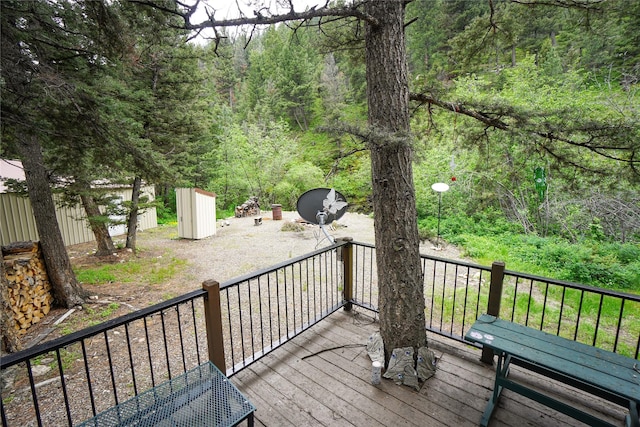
(627,253)
(590,262)
(453,228)
(286,195)
(425,233)
(166,210)
(225,213)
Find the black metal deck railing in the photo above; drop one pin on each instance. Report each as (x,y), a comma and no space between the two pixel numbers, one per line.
(71,378)
(265,309)
(74,377)
(599,317)
(457,292)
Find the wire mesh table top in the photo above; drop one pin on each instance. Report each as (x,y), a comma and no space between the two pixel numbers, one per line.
(202,396)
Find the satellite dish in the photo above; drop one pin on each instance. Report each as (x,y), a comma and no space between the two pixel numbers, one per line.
(322,206)
(440,187)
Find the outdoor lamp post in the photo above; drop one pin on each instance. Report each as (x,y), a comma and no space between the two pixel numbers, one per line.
(439,187)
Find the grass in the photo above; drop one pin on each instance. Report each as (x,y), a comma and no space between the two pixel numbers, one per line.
(585,317)
(67,357)
(140,270)
(613,266)
(90,316)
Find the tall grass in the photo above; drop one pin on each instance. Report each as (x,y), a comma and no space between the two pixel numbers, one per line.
(614,266)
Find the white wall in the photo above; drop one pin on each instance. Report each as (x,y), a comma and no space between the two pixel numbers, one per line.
(196,213)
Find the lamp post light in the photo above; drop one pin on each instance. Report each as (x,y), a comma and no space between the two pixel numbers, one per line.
(439,187)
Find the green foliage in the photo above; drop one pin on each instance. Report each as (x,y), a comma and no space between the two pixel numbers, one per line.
(225,213)
(457,229)
(283,78)
(95,275)
(251,161)
(157,270)
(613,266)
(166,215)
(286,194)
(166,208)
(299,178)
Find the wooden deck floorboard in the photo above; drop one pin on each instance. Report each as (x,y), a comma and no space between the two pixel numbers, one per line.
(322,378)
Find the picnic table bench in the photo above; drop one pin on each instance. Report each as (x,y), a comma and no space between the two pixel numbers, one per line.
(608,375)
(202,396)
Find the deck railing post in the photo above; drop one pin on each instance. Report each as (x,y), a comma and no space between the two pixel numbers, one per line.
(213,319)
(493,305)
(346,255)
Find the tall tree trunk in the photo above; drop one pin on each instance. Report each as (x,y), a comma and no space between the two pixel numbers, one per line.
(401,299)
(66,290)
(132,221)
(98,227)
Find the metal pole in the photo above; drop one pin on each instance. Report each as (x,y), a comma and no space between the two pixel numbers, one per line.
(439,203)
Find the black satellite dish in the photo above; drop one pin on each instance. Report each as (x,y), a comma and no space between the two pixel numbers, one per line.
(322,206)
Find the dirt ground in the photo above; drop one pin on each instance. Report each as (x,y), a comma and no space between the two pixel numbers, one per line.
(239,247)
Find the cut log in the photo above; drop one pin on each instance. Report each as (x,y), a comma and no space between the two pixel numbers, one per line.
(20,247)
(28,291)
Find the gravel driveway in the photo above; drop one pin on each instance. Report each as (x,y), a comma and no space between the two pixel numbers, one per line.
(240,247)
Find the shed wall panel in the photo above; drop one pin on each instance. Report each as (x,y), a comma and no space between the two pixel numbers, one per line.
(184,204)
(205,216)
(17,222)
(73,226)
(196,213)
(16,219)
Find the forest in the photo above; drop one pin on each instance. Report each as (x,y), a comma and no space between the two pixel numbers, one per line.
(528,110)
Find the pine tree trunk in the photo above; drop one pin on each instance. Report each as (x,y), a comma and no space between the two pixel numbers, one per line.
(401,299)
(99,228)
(66,290)
(132,221)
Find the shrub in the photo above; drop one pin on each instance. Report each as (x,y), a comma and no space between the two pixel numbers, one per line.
(292,226)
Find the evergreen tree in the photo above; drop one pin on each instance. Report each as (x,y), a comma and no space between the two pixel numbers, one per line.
(47,48)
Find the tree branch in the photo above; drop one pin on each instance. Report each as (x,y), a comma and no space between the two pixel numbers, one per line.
(593,133)
(569,4)
(262,16)
(460,109)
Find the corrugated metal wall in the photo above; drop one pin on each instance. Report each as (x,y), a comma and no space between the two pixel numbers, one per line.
(186,215)
(205,214)
(17,223)
(71,220)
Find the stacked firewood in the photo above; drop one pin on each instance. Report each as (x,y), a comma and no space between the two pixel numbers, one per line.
(29,289)
(249,208)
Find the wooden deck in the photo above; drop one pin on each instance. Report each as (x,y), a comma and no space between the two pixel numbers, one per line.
(332,387)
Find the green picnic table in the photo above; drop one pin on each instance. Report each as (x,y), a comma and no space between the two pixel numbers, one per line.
(608,375)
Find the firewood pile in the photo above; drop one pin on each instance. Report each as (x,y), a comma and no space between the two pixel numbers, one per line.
(29,288)
(249,208)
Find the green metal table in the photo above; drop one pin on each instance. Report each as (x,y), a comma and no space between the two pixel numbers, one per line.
(202,396)
(608,375)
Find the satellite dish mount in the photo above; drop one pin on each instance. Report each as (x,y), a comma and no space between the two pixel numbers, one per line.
(322,206)
(439,187)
